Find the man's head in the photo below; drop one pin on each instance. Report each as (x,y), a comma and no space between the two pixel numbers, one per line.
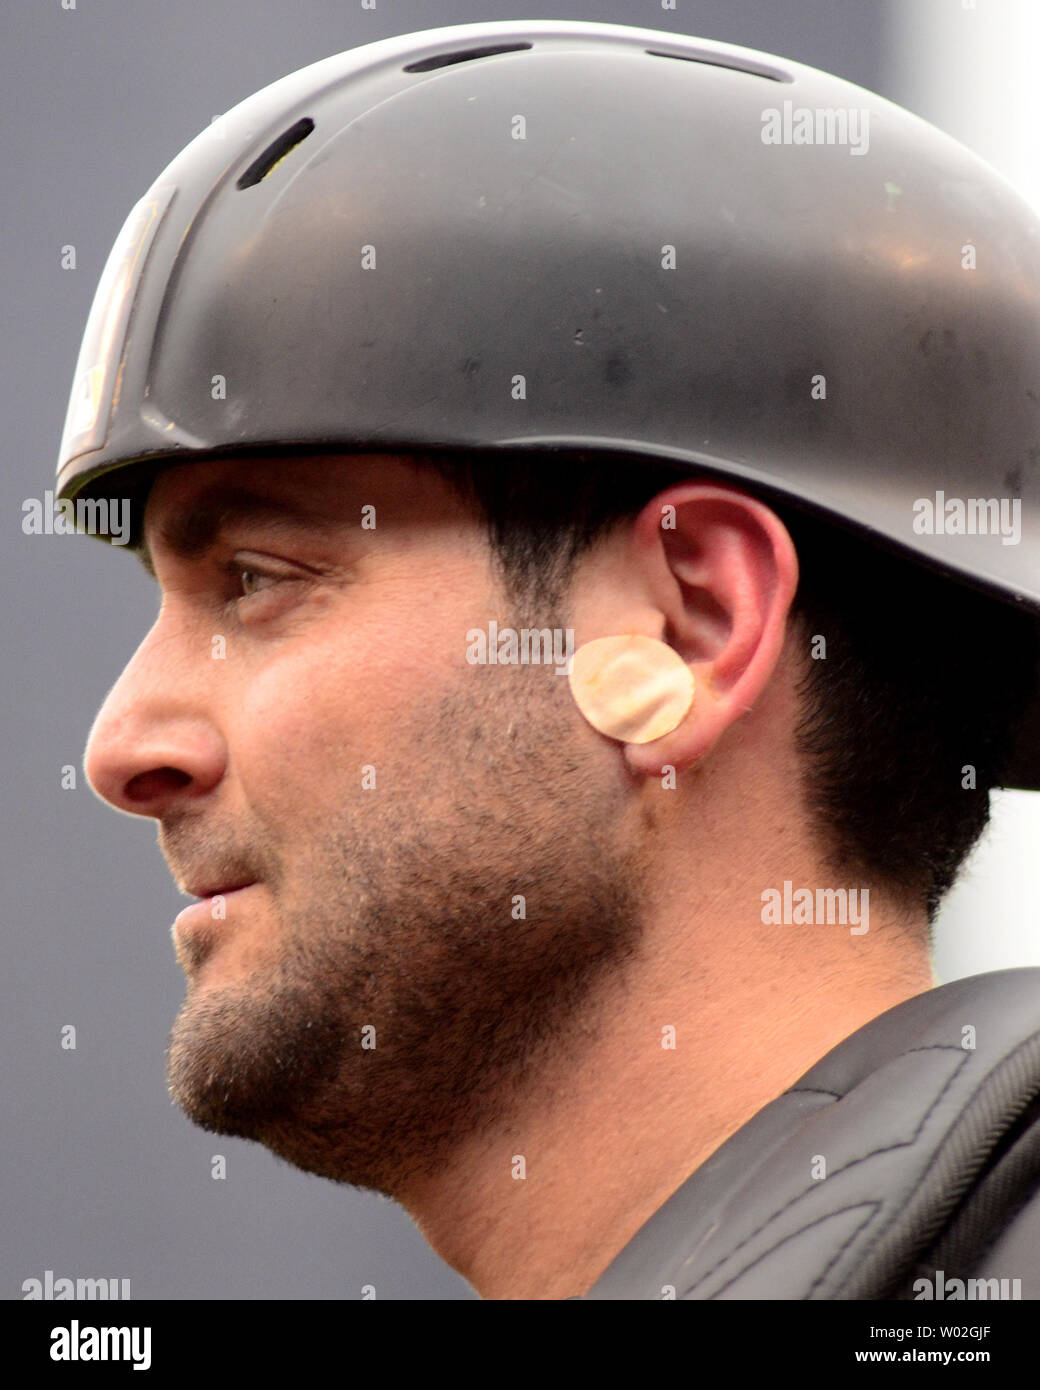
(447,880)
(450,874)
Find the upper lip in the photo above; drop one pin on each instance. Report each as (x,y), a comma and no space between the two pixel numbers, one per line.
(211,889)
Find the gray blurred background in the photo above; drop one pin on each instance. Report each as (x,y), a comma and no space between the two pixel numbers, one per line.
(101,1175)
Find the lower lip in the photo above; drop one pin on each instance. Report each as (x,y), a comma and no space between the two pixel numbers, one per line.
(201,912)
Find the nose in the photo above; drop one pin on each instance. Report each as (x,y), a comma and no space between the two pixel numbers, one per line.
(154,741)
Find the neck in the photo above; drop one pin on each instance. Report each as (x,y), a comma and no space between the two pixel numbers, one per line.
(610,1127)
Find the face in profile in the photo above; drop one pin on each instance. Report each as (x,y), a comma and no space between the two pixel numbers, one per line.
(415,876)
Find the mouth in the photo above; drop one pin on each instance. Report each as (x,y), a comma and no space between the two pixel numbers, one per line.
(220,890)
(198,927)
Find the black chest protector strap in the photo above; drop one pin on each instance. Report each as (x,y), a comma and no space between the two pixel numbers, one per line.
(906,1150)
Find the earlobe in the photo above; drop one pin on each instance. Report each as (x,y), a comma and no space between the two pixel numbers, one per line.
(631,687)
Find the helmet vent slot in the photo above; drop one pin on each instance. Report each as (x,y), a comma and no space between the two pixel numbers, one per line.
(275,152)
(772,74)
(463,55)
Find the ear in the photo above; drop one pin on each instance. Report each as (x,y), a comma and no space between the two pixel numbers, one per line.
(722,572)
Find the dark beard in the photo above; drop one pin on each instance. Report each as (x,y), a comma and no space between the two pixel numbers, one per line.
(419,943)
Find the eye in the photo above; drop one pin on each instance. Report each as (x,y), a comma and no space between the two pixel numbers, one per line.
(250,577)
(251,583)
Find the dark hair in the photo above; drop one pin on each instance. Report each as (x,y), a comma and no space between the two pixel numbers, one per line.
(921,677)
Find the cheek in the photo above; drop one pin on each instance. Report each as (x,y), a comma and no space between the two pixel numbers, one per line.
(310,718)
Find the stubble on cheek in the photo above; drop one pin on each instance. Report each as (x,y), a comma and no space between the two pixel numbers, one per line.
(447,939)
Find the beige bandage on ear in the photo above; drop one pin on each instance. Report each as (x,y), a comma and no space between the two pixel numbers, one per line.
(632,688)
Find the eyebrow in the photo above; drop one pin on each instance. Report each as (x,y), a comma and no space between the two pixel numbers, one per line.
(193,532)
